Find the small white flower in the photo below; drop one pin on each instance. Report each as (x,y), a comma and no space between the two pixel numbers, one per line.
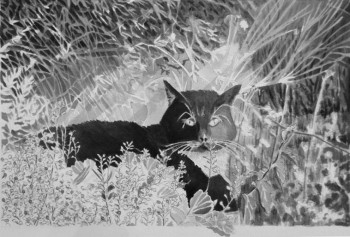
(172,37)
(243,24)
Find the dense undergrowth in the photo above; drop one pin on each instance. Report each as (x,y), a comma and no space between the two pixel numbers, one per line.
(38,189)
(65,62)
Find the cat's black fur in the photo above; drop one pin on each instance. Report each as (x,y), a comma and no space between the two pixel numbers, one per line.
(102,137)
(98,137)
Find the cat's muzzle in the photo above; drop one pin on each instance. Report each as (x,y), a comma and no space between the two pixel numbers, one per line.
(206,146)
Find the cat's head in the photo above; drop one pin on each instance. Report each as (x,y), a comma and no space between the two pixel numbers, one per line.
(201,118)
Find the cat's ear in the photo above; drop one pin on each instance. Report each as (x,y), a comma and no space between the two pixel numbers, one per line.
(228,96)
(172,93)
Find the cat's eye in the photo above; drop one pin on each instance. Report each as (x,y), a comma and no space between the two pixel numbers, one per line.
(214,121)
(189,122)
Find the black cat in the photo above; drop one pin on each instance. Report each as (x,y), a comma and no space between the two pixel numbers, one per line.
(195,121)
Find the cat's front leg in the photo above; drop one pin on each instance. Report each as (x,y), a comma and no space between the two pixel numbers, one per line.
(219,189)
(195,179)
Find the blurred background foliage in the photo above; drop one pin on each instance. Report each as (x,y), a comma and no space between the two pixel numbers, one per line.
(65,62)
(103,59)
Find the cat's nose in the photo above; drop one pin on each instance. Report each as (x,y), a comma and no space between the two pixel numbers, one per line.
(203,138)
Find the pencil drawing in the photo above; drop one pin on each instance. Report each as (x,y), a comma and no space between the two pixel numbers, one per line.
(175,113)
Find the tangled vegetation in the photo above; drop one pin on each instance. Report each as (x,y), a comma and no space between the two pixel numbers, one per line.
(65,62)
(38,189)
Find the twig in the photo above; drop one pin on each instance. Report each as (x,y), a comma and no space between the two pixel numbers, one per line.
(41,209)
(165,52)
(312,135)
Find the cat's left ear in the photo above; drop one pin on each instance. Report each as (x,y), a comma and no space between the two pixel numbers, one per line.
(173,94)
(228,96)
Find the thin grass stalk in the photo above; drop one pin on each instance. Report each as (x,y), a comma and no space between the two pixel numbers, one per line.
(276,27)
(170,56)
(316,24)
(278,134)
(45,198)
(313,123)
(210,167)
(104,186)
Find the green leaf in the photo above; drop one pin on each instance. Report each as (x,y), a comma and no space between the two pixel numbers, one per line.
(112,195)
(109,174)
(218,231)
(247,209)
(252,201)
(82,175)
(99,176)
(159,220)
(201,203)
(76,170)
(266,193)
(150,164)
(110,187)
(166,192)
(177,215)
(79,165)
(202,220)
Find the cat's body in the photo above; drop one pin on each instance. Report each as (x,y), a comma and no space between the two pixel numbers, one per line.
(196,121)
(102,137)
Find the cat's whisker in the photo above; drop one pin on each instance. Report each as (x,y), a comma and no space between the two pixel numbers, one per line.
(177,149)
(188,149)
(234,148)
(186,146)
(233,152)
(223,105)
(222,145)
(175,143)
(225,117)
(232,143)
(191,149)
(228,147)
(182,151)
(182,148)
(189,109)
(173,147)
(183,114)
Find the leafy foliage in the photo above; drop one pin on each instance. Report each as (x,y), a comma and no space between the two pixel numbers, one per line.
(90,54)
(295,120)
(38,189)
(65,62)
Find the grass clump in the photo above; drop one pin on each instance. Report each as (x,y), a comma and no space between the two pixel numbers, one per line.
(38,189)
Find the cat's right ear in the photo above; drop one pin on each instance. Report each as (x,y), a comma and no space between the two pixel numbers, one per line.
(228,96)
(173,94)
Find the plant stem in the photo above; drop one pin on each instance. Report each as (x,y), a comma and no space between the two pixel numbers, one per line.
(170,56)
(107,206)
(105,190)
(315,136)
(314,120)
(210,167)
(41,209)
